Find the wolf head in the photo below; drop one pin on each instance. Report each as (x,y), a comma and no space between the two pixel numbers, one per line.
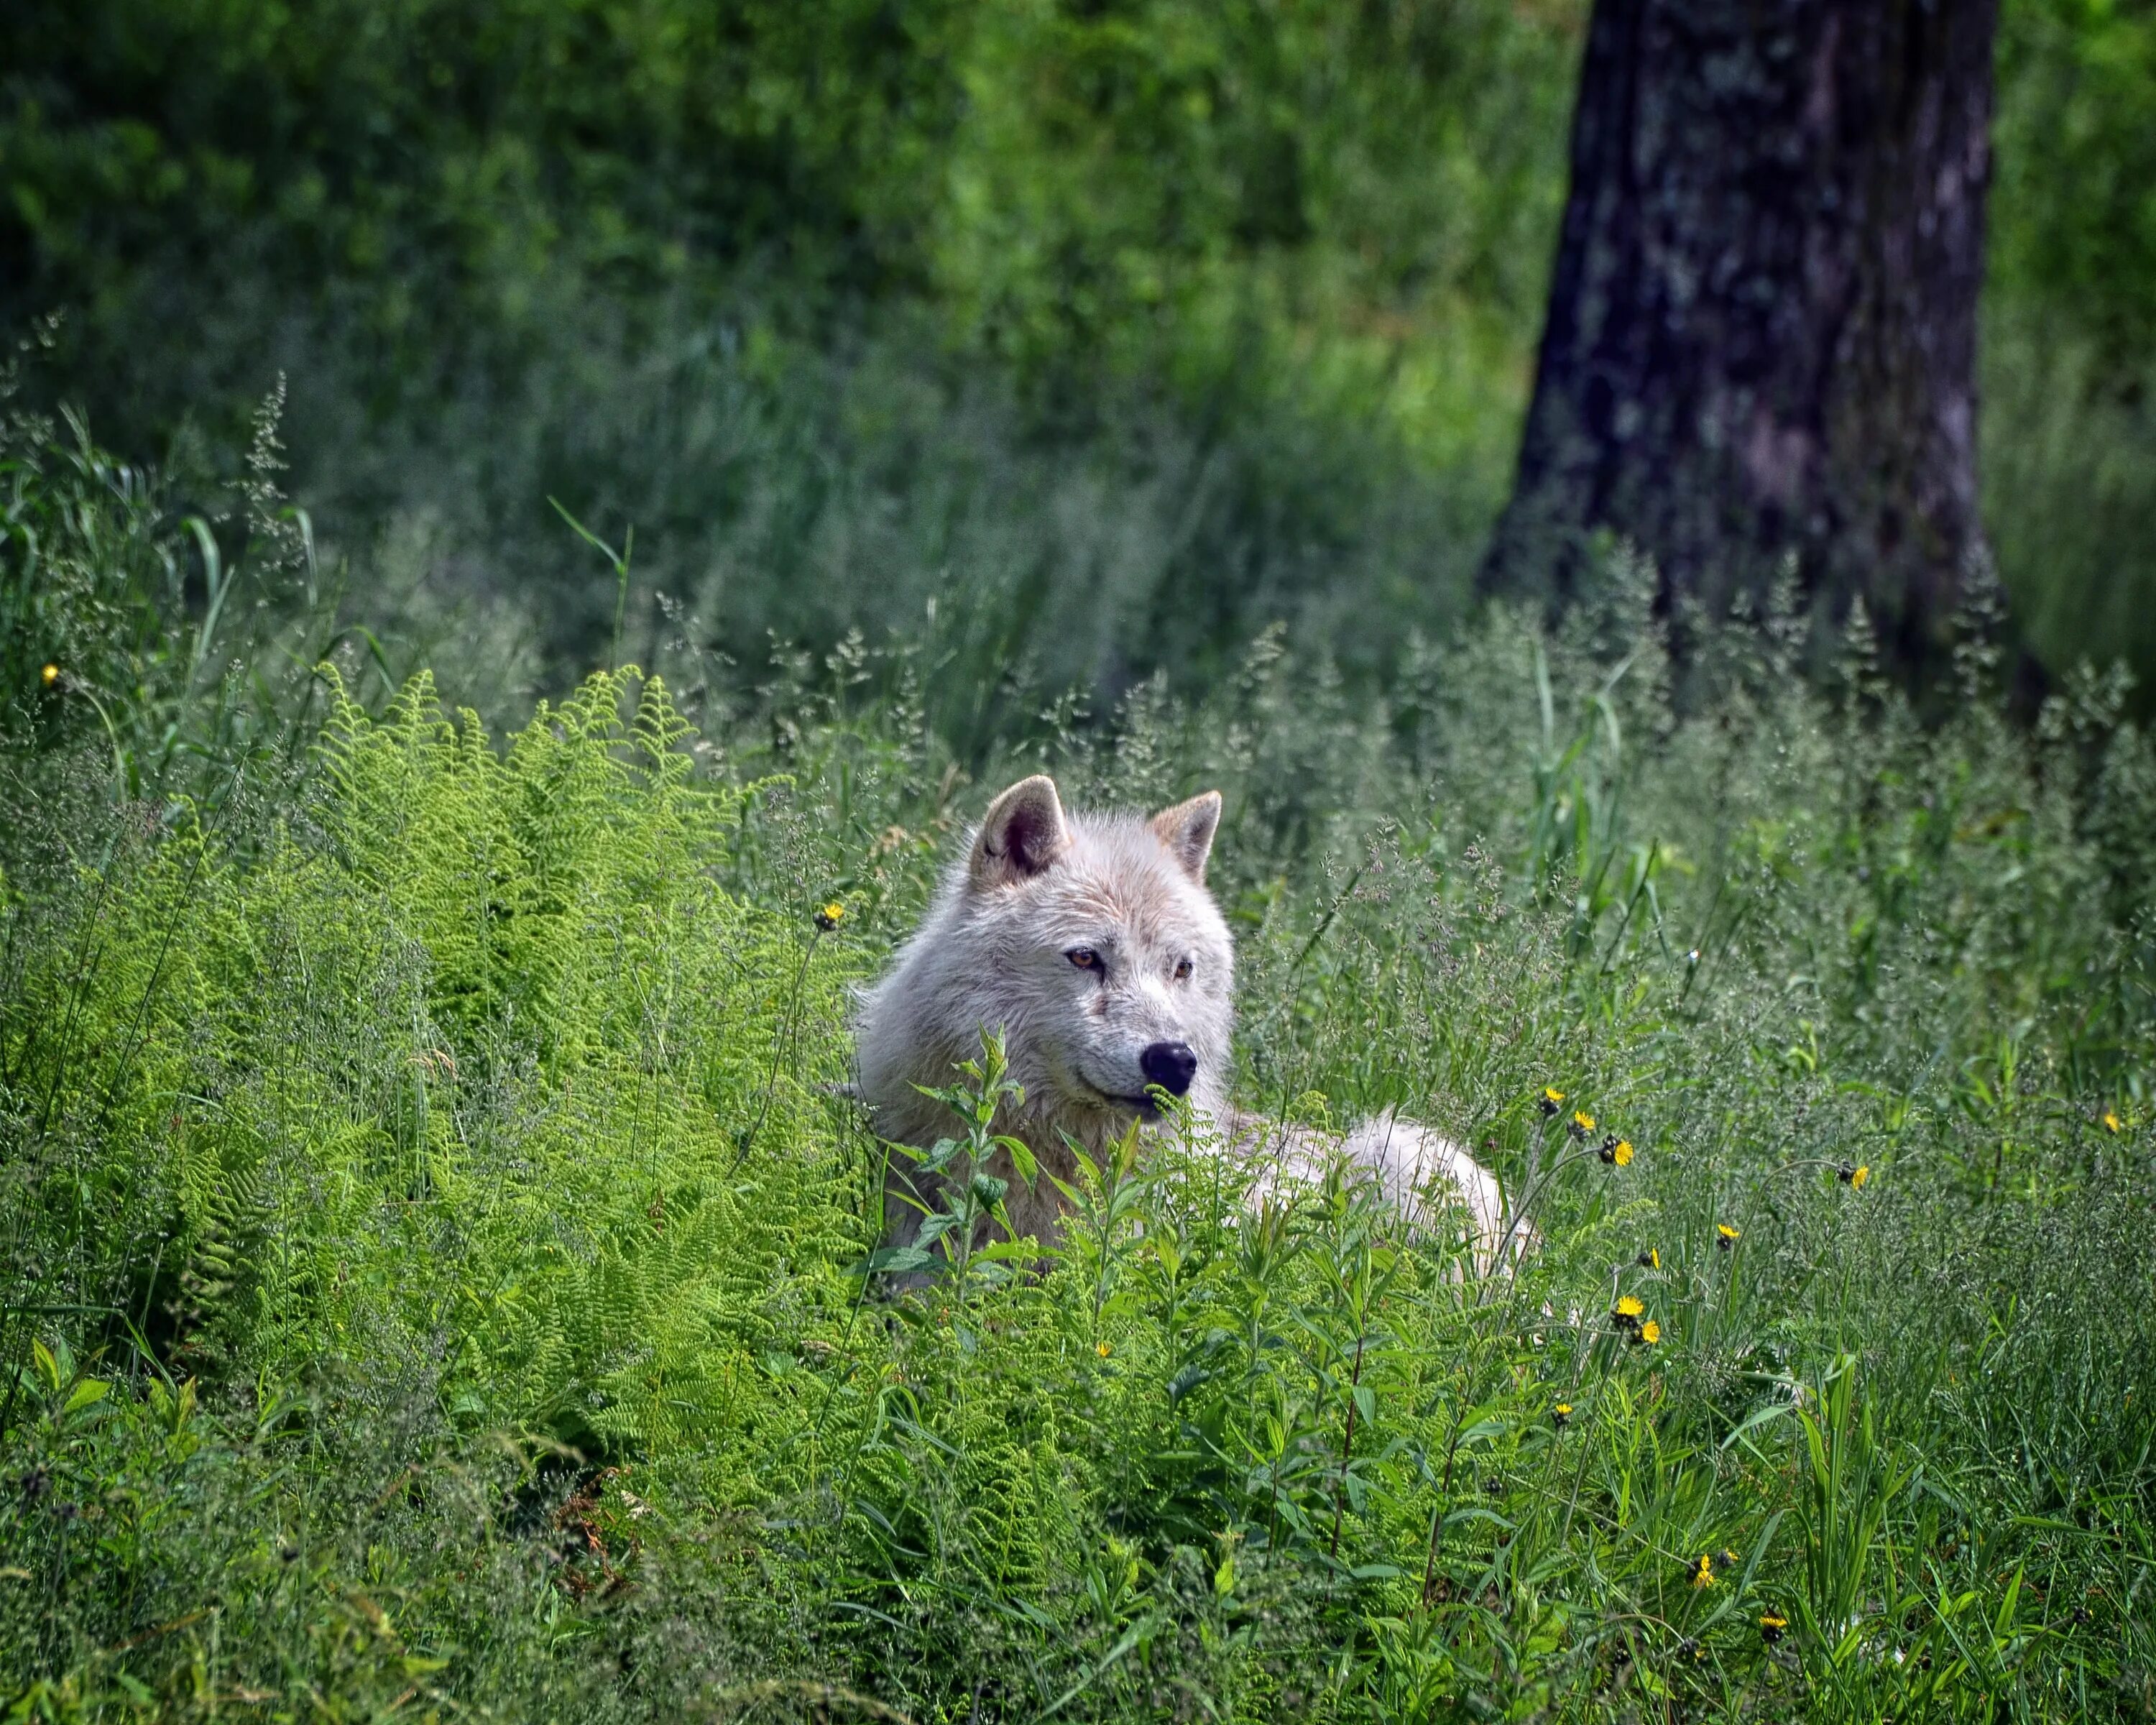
(1091,943)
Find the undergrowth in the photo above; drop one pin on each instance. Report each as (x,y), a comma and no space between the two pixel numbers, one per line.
(438,1250)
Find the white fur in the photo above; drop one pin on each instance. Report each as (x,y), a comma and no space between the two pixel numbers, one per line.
(993,954)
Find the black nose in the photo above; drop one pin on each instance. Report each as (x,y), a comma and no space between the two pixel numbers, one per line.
(1170,1065)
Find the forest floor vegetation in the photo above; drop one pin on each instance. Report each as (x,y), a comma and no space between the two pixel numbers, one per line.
(436,1250)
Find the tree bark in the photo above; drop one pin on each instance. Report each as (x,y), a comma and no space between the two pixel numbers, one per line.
(1761,337)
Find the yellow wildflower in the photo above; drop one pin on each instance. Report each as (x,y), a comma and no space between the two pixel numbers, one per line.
(1550,1100)
(1771,1626)
(829,917)
(1583,1122)
(1630,1308)
(1725,1236)
(51,674)
(2112,1122)
(1101,1348)
(1650,1332)
(1702,1572)
(1617,1151)
(1651,1259)
(1561,1414)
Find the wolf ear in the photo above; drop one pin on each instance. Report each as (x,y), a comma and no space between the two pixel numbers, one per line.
(1187,829)
(1022,833)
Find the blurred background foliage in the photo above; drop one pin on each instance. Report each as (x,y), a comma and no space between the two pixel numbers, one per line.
(1125,328)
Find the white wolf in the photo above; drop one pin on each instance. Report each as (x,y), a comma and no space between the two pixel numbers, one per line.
(1091,943)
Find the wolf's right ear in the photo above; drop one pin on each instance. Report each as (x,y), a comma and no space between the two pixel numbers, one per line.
(1023,834)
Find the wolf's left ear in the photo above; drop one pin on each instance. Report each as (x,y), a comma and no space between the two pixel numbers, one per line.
(1187,829)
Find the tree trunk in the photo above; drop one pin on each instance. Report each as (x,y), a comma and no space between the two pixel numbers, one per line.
(1761,331)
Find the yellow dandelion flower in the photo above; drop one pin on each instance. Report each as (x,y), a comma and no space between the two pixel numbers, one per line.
(1725,1236)
(2112,1122)
(1103,1349)
(1771,1626)
(51,674)
(829,917)
(1650,1332)
(1702,1572)
(1561,1414)
(1859,1175)
(1549,1101)
(1617,1151)
(1651,1259)
(1583,1122)
(1629,1307)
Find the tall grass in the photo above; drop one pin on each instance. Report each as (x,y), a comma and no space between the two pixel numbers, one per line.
(438,1257)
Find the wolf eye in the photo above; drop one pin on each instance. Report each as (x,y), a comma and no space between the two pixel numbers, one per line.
(1184,968)
(1084,957)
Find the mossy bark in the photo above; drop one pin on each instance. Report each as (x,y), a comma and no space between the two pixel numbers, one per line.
(1761,338)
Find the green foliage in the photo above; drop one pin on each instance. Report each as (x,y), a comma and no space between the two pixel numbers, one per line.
(505,141)
(1059,179)
(469,933)
(437,1261)
(2078,77)
(2069,328)
(435,1253)
(844,309)
(1219,315)
(94,570)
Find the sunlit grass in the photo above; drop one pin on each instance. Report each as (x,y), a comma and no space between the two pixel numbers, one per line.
(438,1250)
